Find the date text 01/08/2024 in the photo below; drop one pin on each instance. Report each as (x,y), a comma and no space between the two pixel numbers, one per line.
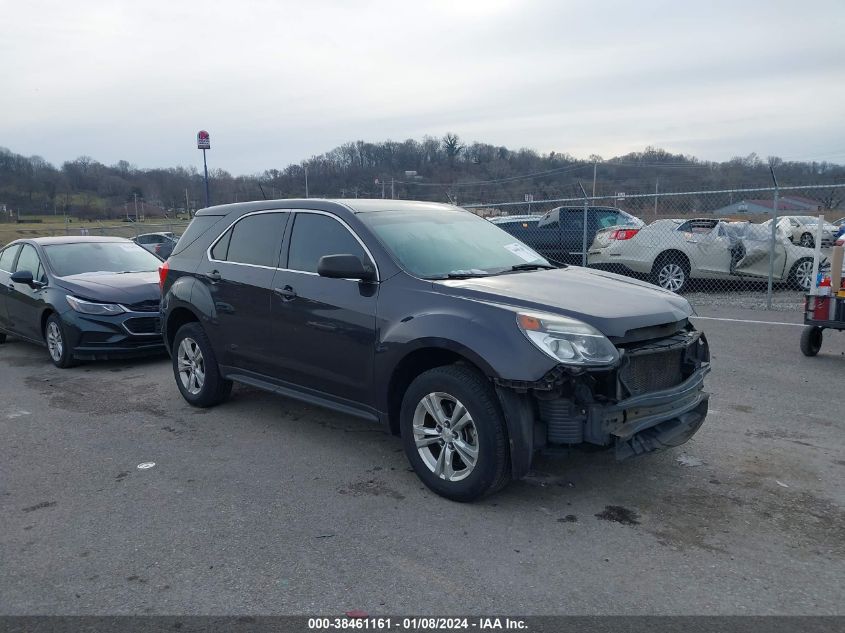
(415,624)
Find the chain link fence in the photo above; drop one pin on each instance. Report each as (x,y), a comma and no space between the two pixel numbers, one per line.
(747,247)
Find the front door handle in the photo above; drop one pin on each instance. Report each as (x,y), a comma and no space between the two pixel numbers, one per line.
(287,293)
(214,275)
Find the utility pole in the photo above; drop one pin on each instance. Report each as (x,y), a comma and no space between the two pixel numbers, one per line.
(392,196)
(382,189)
(136,206)
(595,166)
(306,181)
(187,204)
(204,143)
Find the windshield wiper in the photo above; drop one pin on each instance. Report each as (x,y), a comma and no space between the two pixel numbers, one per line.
(129,272)
(533,267)
(461,274)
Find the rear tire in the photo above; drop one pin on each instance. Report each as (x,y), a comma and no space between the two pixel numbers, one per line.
(811,340)
(54,336)
(671,272)
(801,275)
(195,368)
(454,433)
(807,241)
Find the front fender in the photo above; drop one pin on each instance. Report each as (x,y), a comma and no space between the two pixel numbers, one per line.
(486,336)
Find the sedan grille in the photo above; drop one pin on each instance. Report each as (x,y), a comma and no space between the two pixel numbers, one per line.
(653,371)
(144,306)
(143,325)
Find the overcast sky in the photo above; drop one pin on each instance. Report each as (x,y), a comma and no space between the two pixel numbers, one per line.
(275,82)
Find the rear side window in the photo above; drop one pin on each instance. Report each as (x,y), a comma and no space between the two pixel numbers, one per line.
(256,240)
(198,226)
(316,235)
(7,257)
(605,219)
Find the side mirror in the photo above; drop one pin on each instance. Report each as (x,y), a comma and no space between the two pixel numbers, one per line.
(25,277)
(345,267)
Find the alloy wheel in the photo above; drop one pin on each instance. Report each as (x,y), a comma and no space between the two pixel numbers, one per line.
(804,274)
(807,241)
(54,341)
(671,277)
(445,436)
(191,366)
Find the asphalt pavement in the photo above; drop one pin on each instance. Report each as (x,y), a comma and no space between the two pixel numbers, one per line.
(268,506)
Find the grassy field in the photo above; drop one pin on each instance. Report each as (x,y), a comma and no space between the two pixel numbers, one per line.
(50,226)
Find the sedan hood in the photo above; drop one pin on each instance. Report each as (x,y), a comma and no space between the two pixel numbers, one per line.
(124,288)
(611,303)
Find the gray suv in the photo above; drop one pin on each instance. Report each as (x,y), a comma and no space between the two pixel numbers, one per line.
(435,323)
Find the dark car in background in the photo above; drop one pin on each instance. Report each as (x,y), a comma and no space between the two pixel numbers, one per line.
(81,297)
(160,244)
(558,235)
(435,323)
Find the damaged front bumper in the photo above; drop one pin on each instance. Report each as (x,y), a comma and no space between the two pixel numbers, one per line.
(652,400)
(651,421)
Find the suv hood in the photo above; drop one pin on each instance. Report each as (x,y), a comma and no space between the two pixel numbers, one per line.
(125,288)
(611,303)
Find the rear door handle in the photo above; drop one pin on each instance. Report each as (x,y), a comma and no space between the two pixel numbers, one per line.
(214,275)
(287,293)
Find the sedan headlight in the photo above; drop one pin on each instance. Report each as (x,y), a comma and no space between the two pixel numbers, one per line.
(567,340)
(99,309)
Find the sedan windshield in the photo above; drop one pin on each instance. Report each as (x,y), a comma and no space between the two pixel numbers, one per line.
(442,243)
(99,257)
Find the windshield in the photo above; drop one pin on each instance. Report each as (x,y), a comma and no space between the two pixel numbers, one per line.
(439,243)
(100,257)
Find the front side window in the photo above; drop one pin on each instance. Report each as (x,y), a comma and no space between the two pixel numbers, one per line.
(435,243)
(7,257)
(315,235)
(30,261)
(255,240)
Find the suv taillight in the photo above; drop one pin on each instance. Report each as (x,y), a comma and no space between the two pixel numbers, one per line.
(623,234)
(162,275)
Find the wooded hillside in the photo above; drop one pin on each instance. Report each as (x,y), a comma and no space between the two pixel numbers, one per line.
(443,169)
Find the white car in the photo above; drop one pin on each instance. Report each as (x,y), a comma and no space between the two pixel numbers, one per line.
(802,230)
(671,252)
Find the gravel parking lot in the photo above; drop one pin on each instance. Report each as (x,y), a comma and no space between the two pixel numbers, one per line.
(268,506)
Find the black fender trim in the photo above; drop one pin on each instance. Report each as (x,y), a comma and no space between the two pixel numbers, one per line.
(519,418)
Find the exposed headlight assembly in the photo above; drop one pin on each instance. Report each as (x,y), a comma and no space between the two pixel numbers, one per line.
(567,340)
(98,309)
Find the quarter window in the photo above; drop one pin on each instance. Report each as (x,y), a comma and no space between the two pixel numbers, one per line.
(316,235)
(255,240)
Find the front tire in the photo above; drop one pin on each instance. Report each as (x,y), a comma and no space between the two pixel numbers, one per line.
(195,368)
(811,340)
(454,433)
(54,336)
